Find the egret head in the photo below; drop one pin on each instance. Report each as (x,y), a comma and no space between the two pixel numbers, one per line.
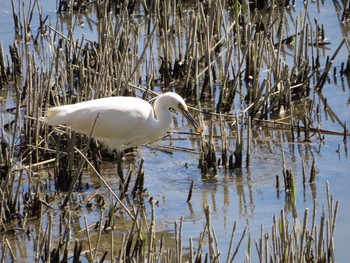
(176,103)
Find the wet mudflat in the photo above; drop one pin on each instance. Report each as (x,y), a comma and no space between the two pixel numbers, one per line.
(270,86)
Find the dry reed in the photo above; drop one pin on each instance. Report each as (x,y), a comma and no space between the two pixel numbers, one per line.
(224,56)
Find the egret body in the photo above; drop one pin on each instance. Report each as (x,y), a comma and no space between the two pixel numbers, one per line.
(123,122)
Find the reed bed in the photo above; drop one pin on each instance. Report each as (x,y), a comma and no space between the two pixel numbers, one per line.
(226,59)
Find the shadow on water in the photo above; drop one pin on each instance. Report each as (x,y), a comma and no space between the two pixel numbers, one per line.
(270,86)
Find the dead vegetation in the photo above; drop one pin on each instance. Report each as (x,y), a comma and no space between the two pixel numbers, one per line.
(227,59)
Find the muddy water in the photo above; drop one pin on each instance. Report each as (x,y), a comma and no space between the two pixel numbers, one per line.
(247,196)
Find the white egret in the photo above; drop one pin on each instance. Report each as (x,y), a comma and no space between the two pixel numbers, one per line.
(123,122)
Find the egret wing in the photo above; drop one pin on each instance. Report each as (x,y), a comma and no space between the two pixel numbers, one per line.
(120,118)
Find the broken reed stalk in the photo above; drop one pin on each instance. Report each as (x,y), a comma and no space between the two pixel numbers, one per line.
(319,85)
(284,169)
(231,241)
(191,250)
(98,240)
(210,237)
(249,135)
(3,72)
(152,235)
(224,147)
(345,138)
(178,241)
(91,252)
(313,171)
(207,160)
(238,153)
(190,192)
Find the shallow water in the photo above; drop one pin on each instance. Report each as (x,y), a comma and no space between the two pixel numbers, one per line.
(249,195)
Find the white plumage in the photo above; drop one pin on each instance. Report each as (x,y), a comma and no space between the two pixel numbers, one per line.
(123,122)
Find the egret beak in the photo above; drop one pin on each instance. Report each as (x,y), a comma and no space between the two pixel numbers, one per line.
(189,116)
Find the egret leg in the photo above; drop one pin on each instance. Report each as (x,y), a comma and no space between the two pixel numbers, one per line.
(120,166)
(94,153)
